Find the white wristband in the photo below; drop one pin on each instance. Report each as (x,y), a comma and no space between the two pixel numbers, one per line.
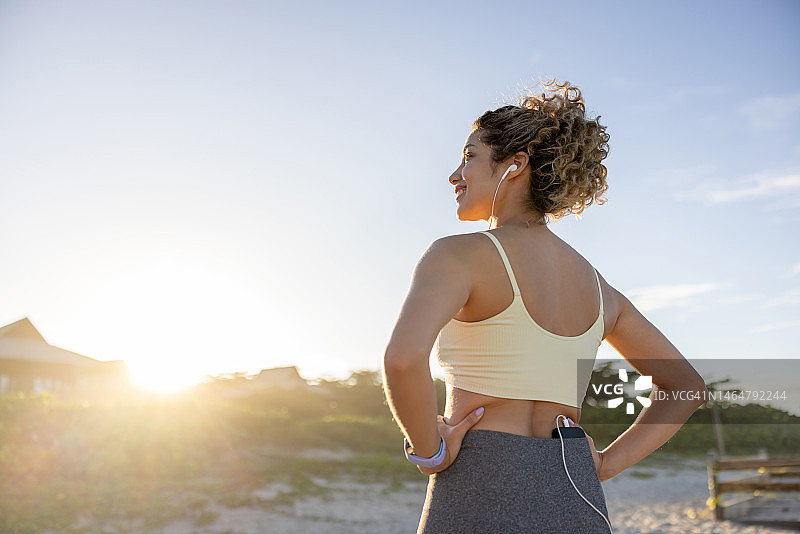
(435,461)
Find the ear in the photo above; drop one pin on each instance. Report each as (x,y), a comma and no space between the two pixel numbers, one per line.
(520,159)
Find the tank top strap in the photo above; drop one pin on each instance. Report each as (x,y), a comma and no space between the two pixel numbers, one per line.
(599,289)
(502,252)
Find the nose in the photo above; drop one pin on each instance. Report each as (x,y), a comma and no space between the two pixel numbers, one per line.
(456,176)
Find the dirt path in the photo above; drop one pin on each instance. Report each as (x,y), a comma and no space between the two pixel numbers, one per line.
(644,499)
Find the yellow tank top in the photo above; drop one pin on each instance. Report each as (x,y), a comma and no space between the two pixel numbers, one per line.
(510,356)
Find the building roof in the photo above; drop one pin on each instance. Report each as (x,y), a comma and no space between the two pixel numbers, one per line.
(286,377)
(22,341)
(22,329)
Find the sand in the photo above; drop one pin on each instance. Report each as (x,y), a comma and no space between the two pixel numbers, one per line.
(652,497)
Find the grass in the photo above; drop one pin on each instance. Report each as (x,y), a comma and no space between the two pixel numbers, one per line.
(141,462)
(138,463)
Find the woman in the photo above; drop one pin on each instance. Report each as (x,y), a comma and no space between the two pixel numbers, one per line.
(514,312)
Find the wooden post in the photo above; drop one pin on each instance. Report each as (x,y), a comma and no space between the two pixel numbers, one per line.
(714,498)
(717,423)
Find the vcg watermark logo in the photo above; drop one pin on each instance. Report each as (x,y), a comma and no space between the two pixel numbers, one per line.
(643,383)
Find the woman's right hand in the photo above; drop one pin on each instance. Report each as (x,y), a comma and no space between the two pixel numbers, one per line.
(453,436)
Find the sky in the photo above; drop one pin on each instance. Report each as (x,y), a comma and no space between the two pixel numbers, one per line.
(211,187)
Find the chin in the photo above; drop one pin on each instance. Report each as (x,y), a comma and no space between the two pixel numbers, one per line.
(467,217)
(467,213)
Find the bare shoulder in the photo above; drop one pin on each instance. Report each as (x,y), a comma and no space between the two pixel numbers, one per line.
(612,304)
(463,247)
(462,239)
(440,286)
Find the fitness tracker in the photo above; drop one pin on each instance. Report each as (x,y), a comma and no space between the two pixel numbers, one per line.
(434,461)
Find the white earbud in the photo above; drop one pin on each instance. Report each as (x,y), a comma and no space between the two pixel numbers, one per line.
(510,169)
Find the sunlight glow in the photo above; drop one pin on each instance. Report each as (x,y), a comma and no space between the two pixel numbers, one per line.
(174,321)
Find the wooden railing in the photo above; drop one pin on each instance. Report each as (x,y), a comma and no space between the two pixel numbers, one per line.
(772,474)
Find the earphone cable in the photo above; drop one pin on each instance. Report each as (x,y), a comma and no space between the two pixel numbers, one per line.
(564,458)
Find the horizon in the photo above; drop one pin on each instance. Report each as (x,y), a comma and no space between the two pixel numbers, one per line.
(775,386)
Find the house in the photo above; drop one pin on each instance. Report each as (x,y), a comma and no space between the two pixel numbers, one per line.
(278,377)
(29,364)
(273,379)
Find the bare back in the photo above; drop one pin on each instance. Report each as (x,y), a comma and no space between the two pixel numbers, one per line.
(558,290)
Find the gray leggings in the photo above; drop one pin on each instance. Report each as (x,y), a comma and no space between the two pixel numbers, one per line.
(507,483)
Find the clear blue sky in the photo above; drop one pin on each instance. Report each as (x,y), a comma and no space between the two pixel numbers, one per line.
(200,187)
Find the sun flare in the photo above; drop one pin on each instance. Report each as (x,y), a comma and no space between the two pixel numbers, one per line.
(175,321)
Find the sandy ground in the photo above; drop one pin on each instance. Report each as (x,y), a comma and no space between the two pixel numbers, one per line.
(655,497)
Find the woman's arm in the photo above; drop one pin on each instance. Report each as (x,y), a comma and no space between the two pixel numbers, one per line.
(412,398)
(440,287)
(650,353)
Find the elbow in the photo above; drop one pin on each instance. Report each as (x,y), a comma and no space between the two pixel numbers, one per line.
(399,362)
(392,363)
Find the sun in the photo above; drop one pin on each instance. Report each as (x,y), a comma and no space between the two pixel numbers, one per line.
(161,378)
(174,321)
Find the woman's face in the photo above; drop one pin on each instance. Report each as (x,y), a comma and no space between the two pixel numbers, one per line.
(474,181)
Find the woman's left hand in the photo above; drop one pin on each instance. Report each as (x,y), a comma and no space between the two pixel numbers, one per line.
(597,456)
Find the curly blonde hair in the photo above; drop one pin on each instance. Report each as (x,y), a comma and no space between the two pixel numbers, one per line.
(565,149)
